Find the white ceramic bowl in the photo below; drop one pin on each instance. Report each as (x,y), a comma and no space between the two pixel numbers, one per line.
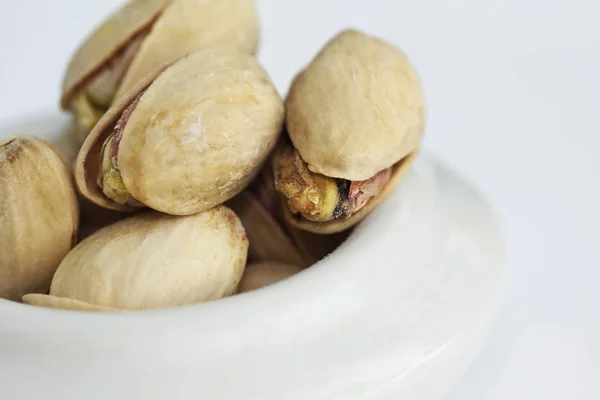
(398,312)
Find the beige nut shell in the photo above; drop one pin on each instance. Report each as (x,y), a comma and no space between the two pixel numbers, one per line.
(199,134)
(338,226)
(154,260)
(357,109)
(176,27)
(264,274)
(107,40)
(39,215)
(47,301)
(188,25)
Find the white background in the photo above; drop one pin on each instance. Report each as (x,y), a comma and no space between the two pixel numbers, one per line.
(513,89)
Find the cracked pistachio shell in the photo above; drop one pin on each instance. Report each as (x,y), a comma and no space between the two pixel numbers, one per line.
(201,131)
(107,40)
(357,109)
(313,245)
(264,274)
(152,261)
(172,28)
(340,225)
(92,218)
(188,25)
(39,215)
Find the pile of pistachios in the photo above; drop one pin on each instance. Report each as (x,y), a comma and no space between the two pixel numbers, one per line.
(185,177)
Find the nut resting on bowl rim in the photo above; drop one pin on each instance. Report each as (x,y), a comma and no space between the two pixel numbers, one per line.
(188,137)
(355,118)
(152,261)
(142,36)
(39,215)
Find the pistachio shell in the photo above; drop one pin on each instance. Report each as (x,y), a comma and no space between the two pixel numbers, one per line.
(92,217)
(188,25)
(107,40)
(153,260)
(199,134)
(88,162)
(170,29)
(39,215)
(313,247)
(86,116)
(357,109)
(339,225)
(264,274)
(47,301)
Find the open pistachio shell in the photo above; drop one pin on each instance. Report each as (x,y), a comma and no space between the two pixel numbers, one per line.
(155,260)
(170,29)
(143,36)
(47,301)
(264,274)
(92,217)
(106,41)
(188,25)
(314,247)
(39,215)
(339,225)
(357,109)
(88,162)
(199,134)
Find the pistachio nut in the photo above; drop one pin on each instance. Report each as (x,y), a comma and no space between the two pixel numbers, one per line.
(271,238)
(152,261)
(39,215)
(356,118)
(190,136)
(257,276)
(141,37)
(313,246)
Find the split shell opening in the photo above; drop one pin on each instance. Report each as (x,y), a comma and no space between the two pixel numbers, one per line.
(356,118)
(141,37)
(200,132)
